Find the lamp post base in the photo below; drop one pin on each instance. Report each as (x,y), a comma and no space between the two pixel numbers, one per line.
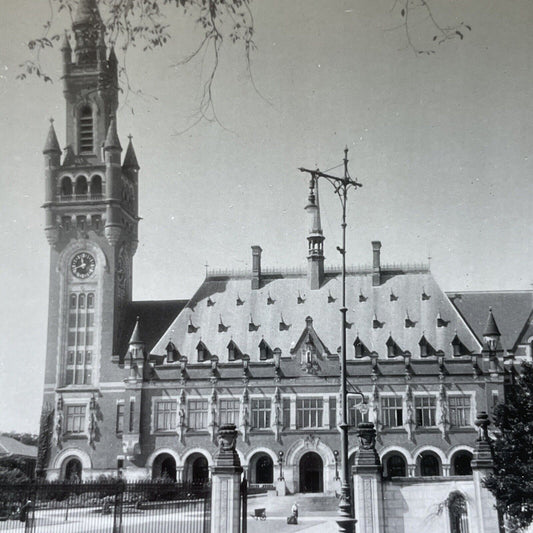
(346,525)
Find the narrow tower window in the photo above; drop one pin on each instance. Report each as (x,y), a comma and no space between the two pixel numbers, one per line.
(86,130)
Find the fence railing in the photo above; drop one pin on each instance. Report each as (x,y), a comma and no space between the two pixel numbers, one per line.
(105,507)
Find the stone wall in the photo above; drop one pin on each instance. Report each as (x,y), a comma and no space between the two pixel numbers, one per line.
(416,505)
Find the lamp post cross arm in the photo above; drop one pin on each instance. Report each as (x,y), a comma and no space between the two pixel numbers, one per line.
(346,181)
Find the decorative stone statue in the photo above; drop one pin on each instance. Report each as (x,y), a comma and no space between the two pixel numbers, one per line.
(410,418)
(444,422)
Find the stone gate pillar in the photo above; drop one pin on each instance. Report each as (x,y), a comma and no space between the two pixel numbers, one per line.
(367,482)
(226,483)
(482,466)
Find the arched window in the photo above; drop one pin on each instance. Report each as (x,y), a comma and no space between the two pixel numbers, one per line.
(73,470)
(429,464)
(81,186)
(66,186)
(458,513)
(396,466)
(461,464)
(96,186)
(86,130)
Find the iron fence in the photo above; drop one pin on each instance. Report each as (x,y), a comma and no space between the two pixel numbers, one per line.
(105,507)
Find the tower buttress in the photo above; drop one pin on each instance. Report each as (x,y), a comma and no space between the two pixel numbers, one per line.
(113,172)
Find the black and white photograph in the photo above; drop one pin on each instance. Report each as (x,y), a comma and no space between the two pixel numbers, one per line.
(266,265)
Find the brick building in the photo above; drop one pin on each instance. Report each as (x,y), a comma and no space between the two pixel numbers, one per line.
(143,386)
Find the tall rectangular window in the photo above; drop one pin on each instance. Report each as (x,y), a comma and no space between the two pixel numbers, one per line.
(75,419)
(309,412)
(332,412)
(229,411)
(286,408)
(165,415)
(425,410)
(391,411)
(131,420)
(355,411)
(120,418)
(260,413)
(459,410)
(197,413)
(80,339)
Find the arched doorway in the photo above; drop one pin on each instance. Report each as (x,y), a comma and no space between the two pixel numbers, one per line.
(261,470)
(196,468)
(73,470)
(461,464)
(311,473)
(164,467)
(458,513)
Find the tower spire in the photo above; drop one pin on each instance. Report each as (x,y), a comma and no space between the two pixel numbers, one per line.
(130,159)
(315,238)
(51,145)
(88,31)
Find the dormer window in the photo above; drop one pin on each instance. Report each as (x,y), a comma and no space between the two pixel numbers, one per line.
(458,348)
(393,350)
(203,352)
(360,349)
(265,352)
(233,352)
(426,349)
(86,130)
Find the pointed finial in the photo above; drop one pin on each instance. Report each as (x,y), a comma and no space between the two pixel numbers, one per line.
(130,159)
(51,144)
(112,140)
(136,335)
(491,329)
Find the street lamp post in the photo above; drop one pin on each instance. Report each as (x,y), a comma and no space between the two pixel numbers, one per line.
(280,463)
(341,187)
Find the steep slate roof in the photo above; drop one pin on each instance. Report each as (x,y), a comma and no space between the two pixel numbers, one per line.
(154,319)
(511,310)
(12,447)
(223,308)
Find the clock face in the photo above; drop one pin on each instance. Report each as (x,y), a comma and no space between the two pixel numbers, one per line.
(82,265)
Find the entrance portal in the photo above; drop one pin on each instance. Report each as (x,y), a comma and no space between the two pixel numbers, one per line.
(311,473)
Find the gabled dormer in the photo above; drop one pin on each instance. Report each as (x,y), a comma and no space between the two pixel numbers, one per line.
(360,348)
(309,343)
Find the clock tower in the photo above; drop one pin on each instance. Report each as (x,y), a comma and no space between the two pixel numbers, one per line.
(91,219)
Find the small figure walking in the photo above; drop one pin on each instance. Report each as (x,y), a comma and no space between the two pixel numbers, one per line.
(293,519)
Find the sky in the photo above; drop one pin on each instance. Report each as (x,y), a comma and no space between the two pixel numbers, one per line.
(441,143)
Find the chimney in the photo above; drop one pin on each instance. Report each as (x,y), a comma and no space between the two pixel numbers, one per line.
(376,263)
(256,267)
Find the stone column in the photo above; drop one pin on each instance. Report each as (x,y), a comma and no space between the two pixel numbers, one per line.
(226,483)
(367,480)
(482,466)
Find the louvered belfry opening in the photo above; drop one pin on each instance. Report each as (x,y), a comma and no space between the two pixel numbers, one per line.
(86,130)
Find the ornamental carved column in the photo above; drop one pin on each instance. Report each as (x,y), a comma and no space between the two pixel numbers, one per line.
(444,419)
(212,418)
(226,483)
(482,466)
(276,415)
(181,425)
(245,415)
(367,479)
(409,424)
